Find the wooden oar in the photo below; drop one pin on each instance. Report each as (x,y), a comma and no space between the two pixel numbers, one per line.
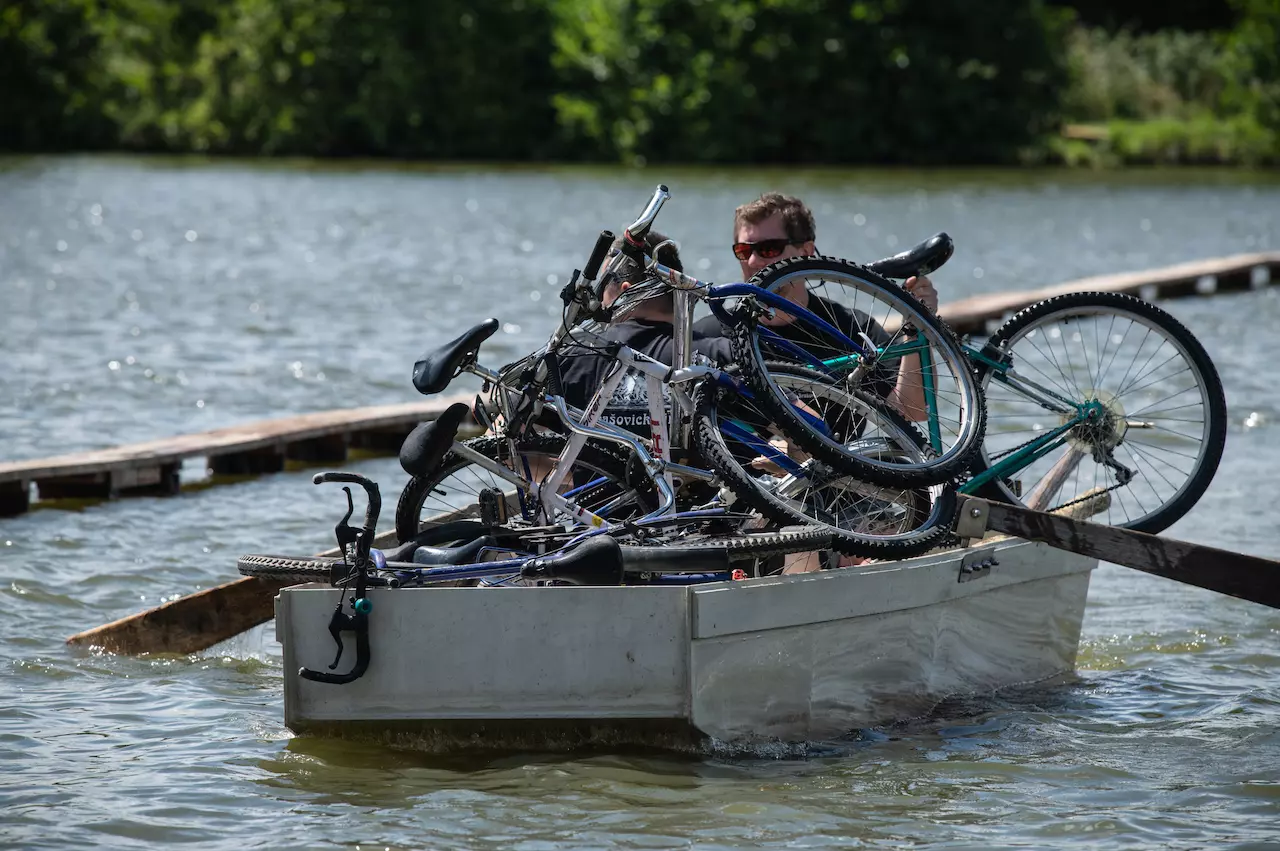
(197,621)
(1235,574)
(1053,480)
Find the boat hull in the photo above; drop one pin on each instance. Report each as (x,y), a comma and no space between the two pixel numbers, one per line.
(791,659)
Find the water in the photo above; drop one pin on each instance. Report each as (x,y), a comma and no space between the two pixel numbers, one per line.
(143,299)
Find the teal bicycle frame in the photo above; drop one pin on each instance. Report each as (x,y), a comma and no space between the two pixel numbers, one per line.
(1074,413)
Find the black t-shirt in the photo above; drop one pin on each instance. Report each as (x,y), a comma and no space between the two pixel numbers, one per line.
(583,371)
(851,323)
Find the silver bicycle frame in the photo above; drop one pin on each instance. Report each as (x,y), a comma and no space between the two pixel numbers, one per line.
(666,427)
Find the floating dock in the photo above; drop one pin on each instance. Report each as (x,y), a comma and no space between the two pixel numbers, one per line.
(1238,273)
(148,469)
(151,469)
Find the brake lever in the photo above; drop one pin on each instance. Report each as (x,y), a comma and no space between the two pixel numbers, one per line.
(339,623)
(344,531)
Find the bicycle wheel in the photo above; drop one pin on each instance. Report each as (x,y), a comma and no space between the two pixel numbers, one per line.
(453,490)
(858,418)
(1149,411)
(740,538)
(733,432)
(288,569)
(909,358)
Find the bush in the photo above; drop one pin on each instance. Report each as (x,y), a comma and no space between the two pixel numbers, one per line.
(1253,63)
(453,78)
(1165,74)
(924,81)
(1179,97)
(52,76)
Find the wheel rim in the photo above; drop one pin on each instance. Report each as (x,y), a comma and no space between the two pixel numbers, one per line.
(956,421)
(1156,411)
(874,436)
(815,491)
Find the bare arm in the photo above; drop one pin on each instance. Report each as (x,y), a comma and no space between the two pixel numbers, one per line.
(908,394)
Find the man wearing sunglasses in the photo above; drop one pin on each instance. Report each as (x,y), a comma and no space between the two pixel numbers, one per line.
(777,227)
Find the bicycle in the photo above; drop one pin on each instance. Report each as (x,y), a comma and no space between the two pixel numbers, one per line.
(711,411)
(1123,388)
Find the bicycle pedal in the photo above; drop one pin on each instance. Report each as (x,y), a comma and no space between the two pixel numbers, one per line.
(493,507)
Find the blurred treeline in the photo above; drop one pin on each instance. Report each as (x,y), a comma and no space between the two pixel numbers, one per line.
(813,81)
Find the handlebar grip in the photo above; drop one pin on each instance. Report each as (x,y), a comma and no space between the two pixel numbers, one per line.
(361,629)
(356,672)
(640,227)
(354,478)
(603,241)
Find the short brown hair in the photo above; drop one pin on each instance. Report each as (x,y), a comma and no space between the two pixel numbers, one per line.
(667,256)
(796,217)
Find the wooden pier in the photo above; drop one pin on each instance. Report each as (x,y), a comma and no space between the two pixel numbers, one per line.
(151,469)
(325,437)
(1238,273)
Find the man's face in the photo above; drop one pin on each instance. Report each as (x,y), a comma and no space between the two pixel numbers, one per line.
(772,228)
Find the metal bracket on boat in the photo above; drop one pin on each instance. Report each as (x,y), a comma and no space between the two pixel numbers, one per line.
(976,565)
(971,520)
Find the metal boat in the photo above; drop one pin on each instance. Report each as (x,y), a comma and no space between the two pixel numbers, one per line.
(798,658)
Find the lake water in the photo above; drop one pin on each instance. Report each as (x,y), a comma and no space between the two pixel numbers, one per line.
(148,298)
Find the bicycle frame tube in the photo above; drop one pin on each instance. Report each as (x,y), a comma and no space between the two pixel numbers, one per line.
(928,386)
(1023,457)
(774,300)
(559,502)
(753,441)
(1005,373)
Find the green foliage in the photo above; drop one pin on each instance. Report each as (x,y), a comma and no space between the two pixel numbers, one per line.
(807,80)
(453,78)
(1252,60)
(1170,74)
(1148,16)
(49,74)
(1180,97)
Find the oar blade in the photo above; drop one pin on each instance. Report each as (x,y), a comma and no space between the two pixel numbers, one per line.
(198,621)
(1235,574)
(189,624)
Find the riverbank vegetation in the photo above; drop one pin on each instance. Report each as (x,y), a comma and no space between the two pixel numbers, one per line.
(813,81)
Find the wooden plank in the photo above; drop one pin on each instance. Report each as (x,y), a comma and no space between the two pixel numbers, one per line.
(1235,574)
(241,438)
(380,440)
(326,449)
(971,315)
(188,624)
(263,459)
(80,486)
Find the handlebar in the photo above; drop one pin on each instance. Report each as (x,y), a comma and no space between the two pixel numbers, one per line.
(358,621)
(597,255)
(640,227)
(340,622)
(374,507)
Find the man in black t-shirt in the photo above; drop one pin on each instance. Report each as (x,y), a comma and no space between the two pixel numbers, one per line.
(648,328)
(777,227)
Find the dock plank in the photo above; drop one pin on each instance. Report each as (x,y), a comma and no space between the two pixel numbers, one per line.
(240,438)
(972,315)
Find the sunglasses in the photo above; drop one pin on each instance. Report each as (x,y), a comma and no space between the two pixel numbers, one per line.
(765,249)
